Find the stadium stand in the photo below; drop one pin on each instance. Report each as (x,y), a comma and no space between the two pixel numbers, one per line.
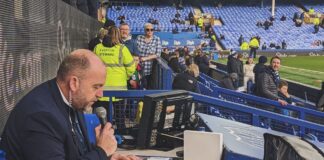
(242,20)
(137,16)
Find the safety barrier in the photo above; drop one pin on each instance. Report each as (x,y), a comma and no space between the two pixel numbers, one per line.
(225,109)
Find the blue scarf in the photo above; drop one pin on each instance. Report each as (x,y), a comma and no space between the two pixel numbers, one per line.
(275,76)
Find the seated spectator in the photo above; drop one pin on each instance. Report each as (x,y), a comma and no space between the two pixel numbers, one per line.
(272,45)
(259,24)
(229,81)
(155,9)
(298,23)
(264,46)
(187,80)
(278,46)
(266,24)
(272,18)
(222,37)
(283,45)
(283,18)
(175,30)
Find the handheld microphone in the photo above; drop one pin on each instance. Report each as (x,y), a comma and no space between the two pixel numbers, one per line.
(102,115)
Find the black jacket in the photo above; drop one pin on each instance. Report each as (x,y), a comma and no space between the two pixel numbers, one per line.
(258,69)
(39,128)
(185,81)
(227,83)
(266,86)
(93,42)
(203,63)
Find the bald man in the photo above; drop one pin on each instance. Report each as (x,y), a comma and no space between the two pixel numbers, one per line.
(48,122)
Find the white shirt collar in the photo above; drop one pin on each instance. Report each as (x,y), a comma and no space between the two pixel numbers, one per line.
(64,99)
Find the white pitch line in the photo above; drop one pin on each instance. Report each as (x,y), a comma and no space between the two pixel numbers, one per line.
(303,69)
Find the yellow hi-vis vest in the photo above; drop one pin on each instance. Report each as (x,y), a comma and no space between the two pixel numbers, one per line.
(200,22)
(119,65)
(316,21)
(244,46)
(254,43)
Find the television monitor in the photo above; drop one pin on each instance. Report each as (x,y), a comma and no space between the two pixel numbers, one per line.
(163,120)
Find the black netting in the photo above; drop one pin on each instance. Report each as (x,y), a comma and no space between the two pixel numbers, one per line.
(34,38)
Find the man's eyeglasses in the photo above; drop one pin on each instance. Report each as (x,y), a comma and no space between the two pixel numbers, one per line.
(147,29)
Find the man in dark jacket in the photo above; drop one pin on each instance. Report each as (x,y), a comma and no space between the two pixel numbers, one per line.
(268,81)
(229,81)
(235,65)
(202,61)
(259,67)
(48,122)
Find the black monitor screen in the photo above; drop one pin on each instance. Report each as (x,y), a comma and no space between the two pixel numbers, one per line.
(164,115)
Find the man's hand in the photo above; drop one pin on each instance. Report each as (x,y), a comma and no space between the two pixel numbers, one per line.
(117,156)
(106,139)
(282,102)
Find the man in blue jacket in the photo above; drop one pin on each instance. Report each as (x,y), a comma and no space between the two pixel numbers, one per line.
(48,122)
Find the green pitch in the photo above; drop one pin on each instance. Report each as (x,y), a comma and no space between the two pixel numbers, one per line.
(303,69)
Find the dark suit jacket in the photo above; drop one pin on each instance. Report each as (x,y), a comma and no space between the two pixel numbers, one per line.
(39,128)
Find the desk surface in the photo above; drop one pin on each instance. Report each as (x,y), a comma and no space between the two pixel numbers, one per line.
(150,152)
(240,138)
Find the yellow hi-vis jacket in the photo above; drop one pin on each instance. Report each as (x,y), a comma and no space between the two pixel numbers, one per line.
(200,22)
(316,21)
(244,46)
(254,43)
(119,65)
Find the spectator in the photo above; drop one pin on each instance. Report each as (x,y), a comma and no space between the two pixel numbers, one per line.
(177,15)
(298,23)
(295,17)
(191,18)
(272,45)
(222,37)
(266,24)
(284,95)
(165,54)
(235,65)
(259,68)
(202,61)
(283,45)
(48,122)
(259,24)
(174,62)
(187,80)
(283,92)
(229,81)
(126,39)
(268,81)
(109,23)
(92,44)
(271,18)
(200,22)
(283,18)
(264,46)
(240,40)
(248,72)
(120,67)
(149,47)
